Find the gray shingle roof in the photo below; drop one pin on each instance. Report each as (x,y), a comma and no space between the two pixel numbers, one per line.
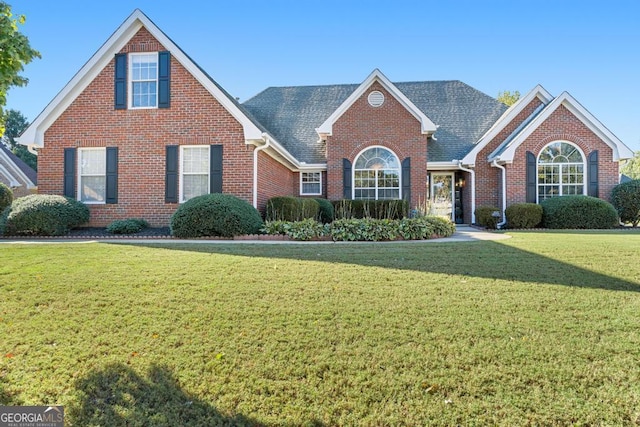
(291,115)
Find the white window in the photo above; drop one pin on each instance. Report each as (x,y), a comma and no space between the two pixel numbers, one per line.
(92,176)
(560,170)
(311,183)
(143,75)
(376,175)
(194,171)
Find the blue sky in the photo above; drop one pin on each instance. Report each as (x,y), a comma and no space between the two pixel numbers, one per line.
(590,49)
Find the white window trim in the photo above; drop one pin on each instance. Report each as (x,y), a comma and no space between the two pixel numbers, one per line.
(130,80)
(80,175)
(353,173)
(585,178)
(181,169)
(319,193)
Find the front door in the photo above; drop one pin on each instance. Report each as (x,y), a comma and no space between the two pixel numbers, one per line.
(442,195)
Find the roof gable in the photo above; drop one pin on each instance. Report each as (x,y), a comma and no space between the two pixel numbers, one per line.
(34,134)
(16,171)
(427,126)
(506,152)
(509,115)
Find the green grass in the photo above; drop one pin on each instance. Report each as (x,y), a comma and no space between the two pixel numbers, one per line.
(540,329)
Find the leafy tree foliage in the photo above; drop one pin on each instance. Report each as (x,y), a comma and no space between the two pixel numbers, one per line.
(15,124)
(631,167)
(508,98)
(15,53)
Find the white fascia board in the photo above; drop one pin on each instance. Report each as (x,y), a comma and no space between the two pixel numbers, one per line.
(620,150)
(442,166)
(13,182)
(506,118)
(13,173)
(427,126)
(312,167)
(34,134)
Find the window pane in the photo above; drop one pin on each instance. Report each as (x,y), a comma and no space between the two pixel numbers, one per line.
(195,185)
(93,188)
(92,162)
(144,94)
(310,188)
(195,160)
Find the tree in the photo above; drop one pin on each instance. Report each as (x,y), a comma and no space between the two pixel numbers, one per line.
(508,98)
(15,53)
(15,124)
(631,167)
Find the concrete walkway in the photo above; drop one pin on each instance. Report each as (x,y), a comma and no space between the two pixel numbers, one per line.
(464,233)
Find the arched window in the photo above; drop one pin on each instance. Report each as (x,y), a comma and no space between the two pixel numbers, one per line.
(376,175)
(560,170)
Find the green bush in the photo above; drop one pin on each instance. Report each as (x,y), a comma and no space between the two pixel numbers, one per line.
(486,216)
(523,215)
(287,208)
(376,209)
(43,215)
(306,229)
(216,214)
(127,226)
(425,227)
(625,198)
(6,197)
(581,212)
(326,212)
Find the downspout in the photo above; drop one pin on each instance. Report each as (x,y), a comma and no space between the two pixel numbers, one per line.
(504,192)
(472,173)
(255,170)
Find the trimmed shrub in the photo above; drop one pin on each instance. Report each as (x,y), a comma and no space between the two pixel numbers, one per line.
(43,215)
(523,215)
(6,197)
(326,212)
(216,214)
(287,208)
(376,209)
(625,198)
(581,212)
(127,226)
(486,216)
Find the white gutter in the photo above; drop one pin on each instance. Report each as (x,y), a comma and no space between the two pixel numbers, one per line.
(504,193)
(471,172)
(255,170)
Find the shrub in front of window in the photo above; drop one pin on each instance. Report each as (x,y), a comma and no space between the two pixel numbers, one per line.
(127,226)
(43,215)
(486,216)
(288,208)
(326,212)
(625,198)
(582,212)
(376,209)
(523,215)
(6,197)
(221,215)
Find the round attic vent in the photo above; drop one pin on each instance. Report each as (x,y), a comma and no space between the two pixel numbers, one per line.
(376,98)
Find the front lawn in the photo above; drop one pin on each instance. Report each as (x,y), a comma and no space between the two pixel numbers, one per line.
(540,329)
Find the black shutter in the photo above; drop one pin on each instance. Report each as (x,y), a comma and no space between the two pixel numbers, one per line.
(215,166)
(112,175)
(592,174)
(120,99)
(171,175)
(406,179)
(531,177)
(164,79)
(346,179)
(70,172)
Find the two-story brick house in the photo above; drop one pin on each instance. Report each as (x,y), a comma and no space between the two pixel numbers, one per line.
(141,128)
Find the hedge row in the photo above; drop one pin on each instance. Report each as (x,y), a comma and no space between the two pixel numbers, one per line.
(363,229)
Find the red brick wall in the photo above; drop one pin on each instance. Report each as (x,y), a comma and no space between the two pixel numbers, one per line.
(195,117)
(562,125)
(389,125)
(274,179)
(488,178)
